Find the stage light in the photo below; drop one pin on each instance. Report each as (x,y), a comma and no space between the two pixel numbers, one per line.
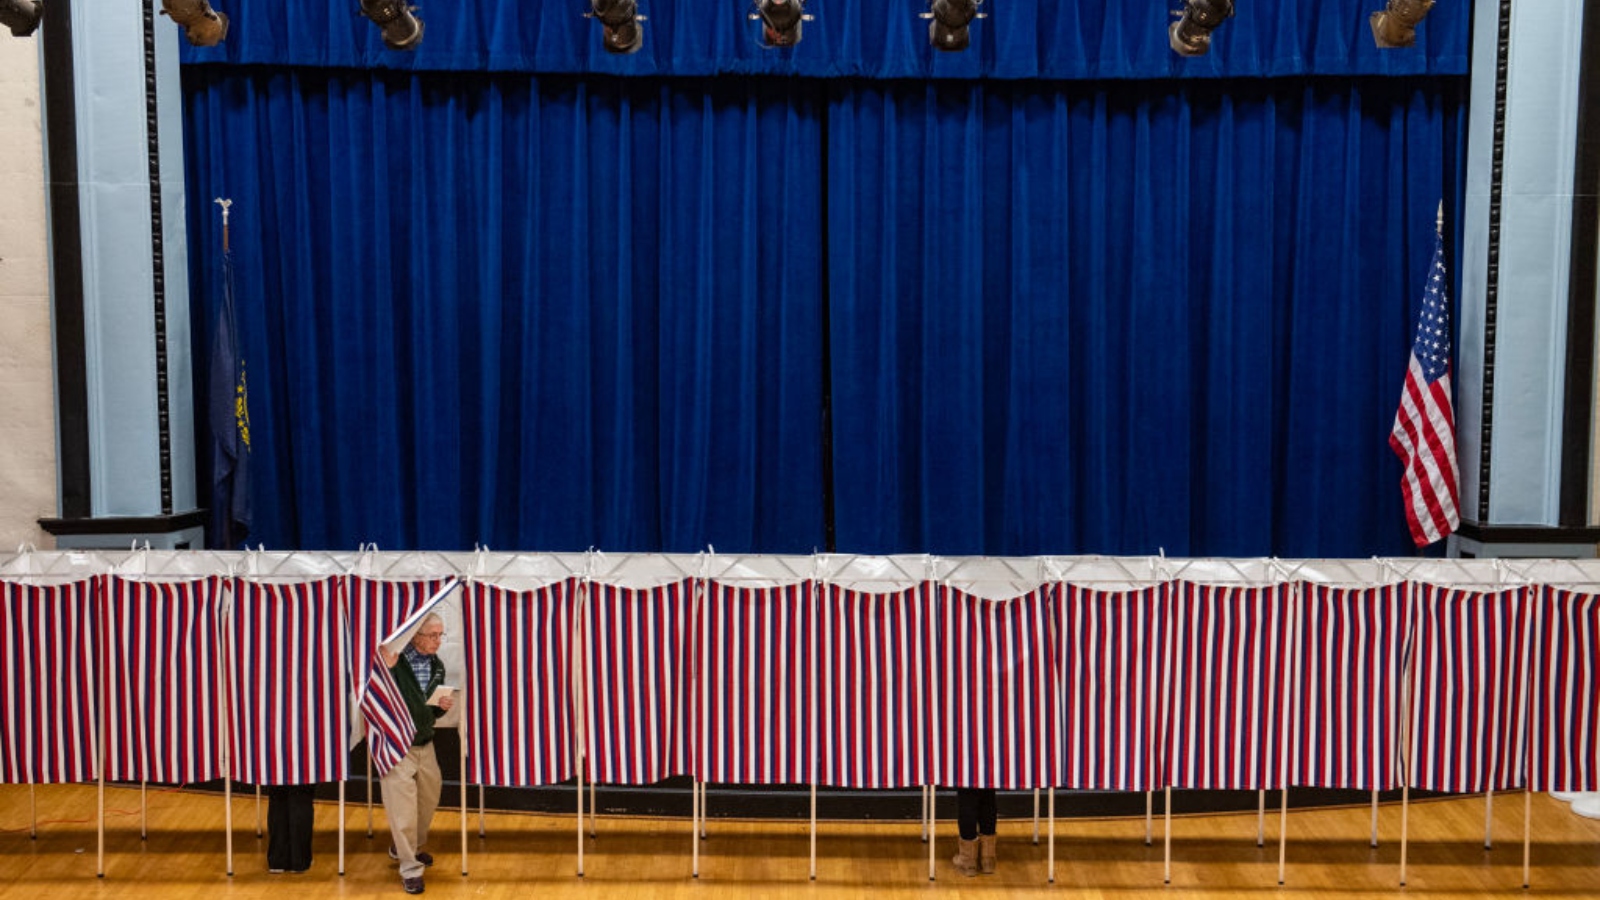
(202,25)
(21,16)
(780,21)
(619,25)
(402,30)
(1396,25)
(1191,34)
(950,26)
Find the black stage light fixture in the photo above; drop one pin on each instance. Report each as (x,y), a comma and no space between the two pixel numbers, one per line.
(780,21)
(21,16)
(402,30)
(950,26)
(619,25)
(202,25)
(1191,34)
(1396,25)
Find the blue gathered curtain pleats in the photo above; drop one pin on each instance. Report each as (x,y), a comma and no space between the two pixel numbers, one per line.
(553,310)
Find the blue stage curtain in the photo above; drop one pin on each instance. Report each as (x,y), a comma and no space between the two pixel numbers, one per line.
(1021,39)
(1118,318)
(526,313)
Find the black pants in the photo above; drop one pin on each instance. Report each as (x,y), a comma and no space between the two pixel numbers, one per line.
(975,813)
(289,815)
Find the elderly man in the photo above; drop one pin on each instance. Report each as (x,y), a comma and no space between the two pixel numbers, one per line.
(411,788)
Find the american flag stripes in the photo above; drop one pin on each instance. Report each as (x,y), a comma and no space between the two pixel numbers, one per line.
(390,728)
(288,722)
(1230,692)
(1108,657)
(1424,431)
(163,671)
(1468,702)
(997,709)
(636,659)
(1564,748)
(753,702)
(1354,647)
(875,688)
(47,683)
(519,683)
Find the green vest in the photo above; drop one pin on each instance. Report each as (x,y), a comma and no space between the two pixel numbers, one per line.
(417,695)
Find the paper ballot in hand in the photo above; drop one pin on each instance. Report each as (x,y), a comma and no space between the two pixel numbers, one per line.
(439,693)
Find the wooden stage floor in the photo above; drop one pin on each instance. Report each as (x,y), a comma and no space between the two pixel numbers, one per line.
(535,855)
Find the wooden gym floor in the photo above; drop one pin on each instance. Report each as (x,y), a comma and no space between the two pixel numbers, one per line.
(528,854)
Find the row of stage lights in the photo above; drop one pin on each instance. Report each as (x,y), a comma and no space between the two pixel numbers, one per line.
(622,30)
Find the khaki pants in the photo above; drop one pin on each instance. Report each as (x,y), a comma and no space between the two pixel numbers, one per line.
(410,795)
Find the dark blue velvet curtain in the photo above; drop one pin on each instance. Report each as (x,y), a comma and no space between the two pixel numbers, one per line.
(553,311)
(552,315)
(1119,319)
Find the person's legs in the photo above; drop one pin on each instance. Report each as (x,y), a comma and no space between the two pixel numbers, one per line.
(300,800)
(400,806)
(986,816)
(967,804)
(279,856)
(429,782)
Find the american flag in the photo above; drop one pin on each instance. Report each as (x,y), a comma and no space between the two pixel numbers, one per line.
(1424,432)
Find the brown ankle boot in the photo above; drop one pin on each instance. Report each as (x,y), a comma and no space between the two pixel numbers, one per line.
(966,858)
(986,854)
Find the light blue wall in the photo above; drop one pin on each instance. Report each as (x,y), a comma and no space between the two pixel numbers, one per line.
(1535,246)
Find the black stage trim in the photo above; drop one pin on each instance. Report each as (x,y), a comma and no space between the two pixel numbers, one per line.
(1577,448)
(67,526)
(66,263)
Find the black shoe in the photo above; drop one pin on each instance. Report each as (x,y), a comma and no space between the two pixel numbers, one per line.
(423,856)
(412,885)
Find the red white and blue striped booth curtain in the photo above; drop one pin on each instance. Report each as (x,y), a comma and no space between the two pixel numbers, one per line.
(288,720)
(752,698)
(638,681)
(1468,699)
(997,715)
(163,680)
(1108,657)
(378,607)
(47,683)
(1564,748)
(1230,677)
(1355,644)
(875,688)
(519,716)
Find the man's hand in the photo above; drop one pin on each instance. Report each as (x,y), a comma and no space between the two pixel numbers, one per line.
(389,656)
(446,702)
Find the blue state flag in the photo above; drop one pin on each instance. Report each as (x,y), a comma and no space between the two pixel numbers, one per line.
(229,414)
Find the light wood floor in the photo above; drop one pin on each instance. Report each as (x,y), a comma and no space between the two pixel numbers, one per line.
(523,855)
